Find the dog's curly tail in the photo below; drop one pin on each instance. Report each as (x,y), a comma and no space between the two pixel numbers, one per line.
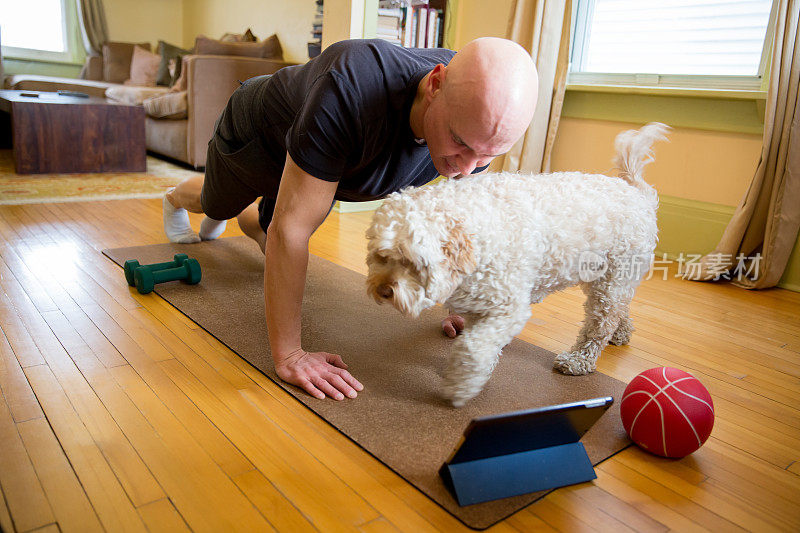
(634,151)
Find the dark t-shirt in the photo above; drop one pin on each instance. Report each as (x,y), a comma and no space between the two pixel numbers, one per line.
(344,116)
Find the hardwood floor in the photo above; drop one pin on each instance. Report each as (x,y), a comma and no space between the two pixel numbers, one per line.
(118,413)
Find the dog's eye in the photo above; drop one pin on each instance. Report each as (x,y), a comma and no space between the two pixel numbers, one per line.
(381,259)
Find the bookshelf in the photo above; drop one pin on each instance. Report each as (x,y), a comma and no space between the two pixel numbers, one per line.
(411,23)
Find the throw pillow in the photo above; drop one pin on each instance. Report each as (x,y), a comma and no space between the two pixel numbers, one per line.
(117,60)
(269,48)
(180,83)
(246,37)
(92,68)
(273,49)
(167,106)
(131,95)
(168,53)
(144,67)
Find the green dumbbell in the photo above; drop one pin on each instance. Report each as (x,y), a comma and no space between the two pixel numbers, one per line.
(132,264)
(145,278)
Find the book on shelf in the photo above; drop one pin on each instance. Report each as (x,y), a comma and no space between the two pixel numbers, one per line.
(394,12)
(406,32)
(410,23)
(431,35)
(422,26)
(390,22)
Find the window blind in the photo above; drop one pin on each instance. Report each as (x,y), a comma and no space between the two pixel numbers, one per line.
(680,37)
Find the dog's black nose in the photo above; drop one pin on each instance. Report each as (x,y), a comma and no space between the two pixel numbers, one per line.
(385,291)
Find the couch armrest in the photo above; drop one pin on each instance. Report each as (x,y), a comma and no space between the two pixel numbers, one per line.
(210,81)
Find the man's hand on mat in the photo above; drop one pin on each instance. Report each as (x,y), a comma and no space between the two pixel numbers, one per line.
(320,374)
(452,325)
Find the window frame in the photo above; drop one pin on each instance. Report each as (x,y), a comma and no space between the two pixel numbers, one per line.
(579,37)
(71,55)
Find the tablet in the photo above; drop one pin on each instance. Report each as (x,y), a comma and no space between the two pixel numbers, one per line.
(531,429)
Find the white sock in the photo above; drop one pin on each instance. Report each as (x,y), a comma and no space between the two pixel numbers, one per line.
(176,224)
(210,229)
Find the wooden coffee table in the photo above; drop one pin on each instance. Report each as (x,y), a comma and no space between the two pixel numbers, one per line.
(52,133)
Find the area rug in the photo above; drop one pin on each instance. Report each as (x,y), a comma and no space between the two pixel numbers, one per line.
(48,188)
(399,417)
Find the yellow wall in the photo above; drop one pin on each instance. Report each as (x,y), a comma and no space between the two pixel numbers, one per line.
(180,21)
(706,166)
(290,20)
(344,19)
(145,21)
(478,18)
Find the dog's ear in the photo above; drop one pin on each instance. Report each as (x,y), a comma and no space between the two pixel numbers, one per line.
(457,260)
(459,252)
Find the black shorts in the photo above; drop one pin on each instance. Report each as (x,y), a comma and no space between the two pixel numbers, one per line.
(223,201)
(239,169)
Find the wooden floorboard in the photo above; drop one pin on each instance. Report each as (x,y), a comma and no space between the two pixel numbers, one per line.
(118,413)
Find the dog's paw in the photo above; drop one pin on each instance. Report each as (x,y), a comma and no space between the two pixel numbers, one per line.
(457,394)
(618,339)
(574,363)
(458,403)
(622,336)
(458,390)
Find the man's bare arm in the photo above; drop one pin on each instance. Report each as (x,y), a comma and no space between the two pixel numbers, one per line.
(303,203)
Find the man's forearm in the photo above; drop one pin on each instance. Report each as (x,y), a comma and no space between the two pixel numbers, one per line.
(285,264)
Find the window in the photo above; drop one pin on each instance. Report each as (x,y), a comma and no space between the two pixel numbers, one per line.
(37,29)
(720,44)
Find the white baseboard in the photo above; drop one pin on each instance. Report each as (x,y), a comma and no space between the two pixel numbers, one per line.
(357,207)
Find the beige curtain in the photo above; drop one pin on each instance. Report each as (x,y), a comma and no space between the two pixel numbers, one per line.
(543,28)
(756,244)
(93,25)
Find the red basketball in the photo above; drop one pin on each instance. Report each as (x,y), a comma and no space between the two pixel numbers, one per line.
(667,412)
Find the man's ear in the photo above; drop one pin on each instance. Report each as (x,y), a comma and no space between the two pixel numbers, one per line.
(436,80)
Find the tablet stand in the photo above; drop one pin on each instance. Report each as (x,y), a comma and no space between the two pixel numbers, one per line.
(491,478)
(521,452)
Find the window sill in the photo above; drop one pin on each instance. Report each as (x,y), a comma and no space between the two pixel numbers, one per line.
(728,94)
(43,60)
(723,110)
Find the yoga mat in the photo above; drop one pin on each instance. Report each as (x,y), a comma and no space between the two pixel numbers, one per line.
(399,417)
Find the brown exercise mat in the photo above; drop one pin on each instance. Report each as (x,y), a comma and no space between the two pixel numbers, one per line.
(399,417)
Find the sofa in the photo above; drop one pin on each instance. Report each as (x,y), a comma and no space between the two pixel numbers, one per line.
(209,81)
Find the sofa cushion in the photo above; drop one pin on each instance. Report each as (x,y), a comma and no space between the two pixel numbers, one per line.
(117,60)
(246,37)
(273,47)
(269,48)
(166,106)
(144,66)
(92,68)
(133,95)
(170,54)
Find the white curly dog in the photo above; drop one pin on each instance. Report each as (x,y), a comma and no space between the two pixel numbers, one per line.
(488,246)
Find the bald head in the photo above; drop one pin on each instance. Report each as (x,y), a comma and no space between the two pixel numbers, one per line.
(476,107)
(493,81)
